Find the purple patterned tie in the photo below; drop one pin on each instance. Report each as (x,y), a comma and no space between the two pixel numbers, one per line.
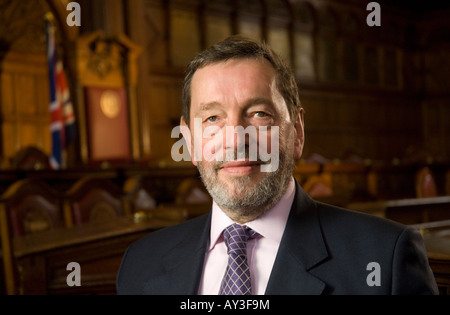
(237,276)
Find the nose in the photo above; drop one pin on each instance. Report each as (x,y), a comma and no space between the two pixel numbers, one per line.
(235,137)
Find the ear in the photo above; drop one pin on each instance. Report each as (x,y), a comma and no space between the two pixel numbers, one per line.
(300,134)
(185,131)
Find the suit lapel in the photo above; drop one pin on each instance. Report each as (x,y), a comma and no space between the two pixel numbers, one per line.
(302,248)
(183,264)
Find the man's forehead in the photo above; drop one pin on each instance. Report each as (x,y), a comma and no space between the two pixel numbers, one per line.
(241,80)
(232,76)
(257,63)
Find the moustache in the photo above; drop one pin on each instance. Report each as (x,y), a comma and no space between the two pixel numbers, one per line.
(240,154)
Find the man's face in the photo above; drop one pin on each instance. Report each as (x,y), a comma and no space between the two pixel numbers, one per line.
(242,93)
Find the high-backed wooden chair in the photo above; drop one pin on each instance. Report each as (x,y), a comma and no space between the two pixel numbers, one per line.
(319,185)
(315,158)
(26,207)
(348,180)
(193,196)
(94,200)
(141,196)
(191,200)
(31,207)
(138,196)
(30,158)
(192,191)
(425,184)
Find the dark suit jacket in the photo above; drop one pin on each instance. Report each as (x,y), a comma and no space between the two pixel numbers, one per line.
(324,250)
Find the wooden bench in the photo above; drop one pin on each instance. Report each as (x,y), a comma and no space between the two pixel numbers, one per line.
(42,259)
(407,211)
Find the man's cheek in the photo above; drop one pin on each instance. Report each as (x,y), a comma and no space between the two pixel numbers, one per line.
(269,148)
(212,140)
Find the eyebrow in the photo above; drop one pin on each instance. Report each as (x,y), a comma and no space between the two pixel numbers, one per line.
(253,101)
(203,107)
(259,101)
(207,106)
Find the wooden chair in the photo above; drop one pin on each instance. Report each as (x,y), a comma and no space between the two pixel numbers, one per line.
(193,197)
(30,158)
(353,158)
(425,184)
(192,191)
(319,185)
(31,207)
(303,171)
(348,180)
(315,158)
(391,181)
(190,199)
(26,207)
(138,196)
(94,200)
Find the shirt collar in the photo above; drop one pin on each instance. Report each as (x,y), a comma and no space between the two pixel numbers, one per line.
(270,225)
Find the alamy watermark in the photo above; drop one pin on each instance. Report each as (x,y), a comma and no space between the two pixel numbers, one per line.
(374,17)
(229,146)
(374,277)
(74,17)
(73,279)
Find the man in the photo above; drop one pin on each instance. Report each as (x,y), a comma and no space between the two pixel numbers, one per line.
(287,242)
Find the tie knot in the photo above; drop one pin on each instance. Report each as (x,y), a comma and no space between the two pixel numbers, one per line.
(236,237)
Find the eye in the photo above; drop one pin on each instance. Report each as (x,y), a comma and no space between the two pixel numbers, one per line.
(211,119)
(261,114)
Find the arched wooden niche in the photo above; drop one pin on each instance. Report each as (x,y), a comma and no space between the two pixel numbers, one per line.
(106,79)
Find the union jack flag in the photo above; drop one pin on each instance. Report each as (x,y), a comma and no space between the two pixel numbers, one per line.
(62,125)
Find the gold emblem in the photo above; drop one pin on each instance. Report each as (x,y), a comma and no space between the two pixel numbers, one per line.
(110,104)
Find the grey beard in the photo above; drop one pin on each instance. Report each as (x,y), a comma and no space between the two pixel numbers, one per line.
(247,201)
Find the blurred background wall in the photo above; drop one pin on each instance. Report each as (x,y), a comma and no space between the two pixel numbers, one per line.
(379,92)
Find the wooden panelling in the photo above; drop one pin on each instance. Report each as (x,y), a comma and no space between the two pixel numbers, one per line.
(436,127)
(374,90)
(304,52)
(183,45)
(165,95)
(24,87)
(351,76)
(217,21)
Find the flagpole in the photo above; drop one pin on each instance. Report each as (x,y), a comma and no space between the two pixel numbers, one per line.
(51,47)
(62,124)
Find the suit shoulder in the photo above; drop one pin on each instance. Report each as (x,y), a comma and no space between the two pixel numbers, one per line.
(357,221)
(355,239)
(144,259)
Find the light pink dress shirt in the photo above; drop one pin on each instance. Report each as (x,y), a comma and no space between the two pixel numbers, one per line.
(261,252)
